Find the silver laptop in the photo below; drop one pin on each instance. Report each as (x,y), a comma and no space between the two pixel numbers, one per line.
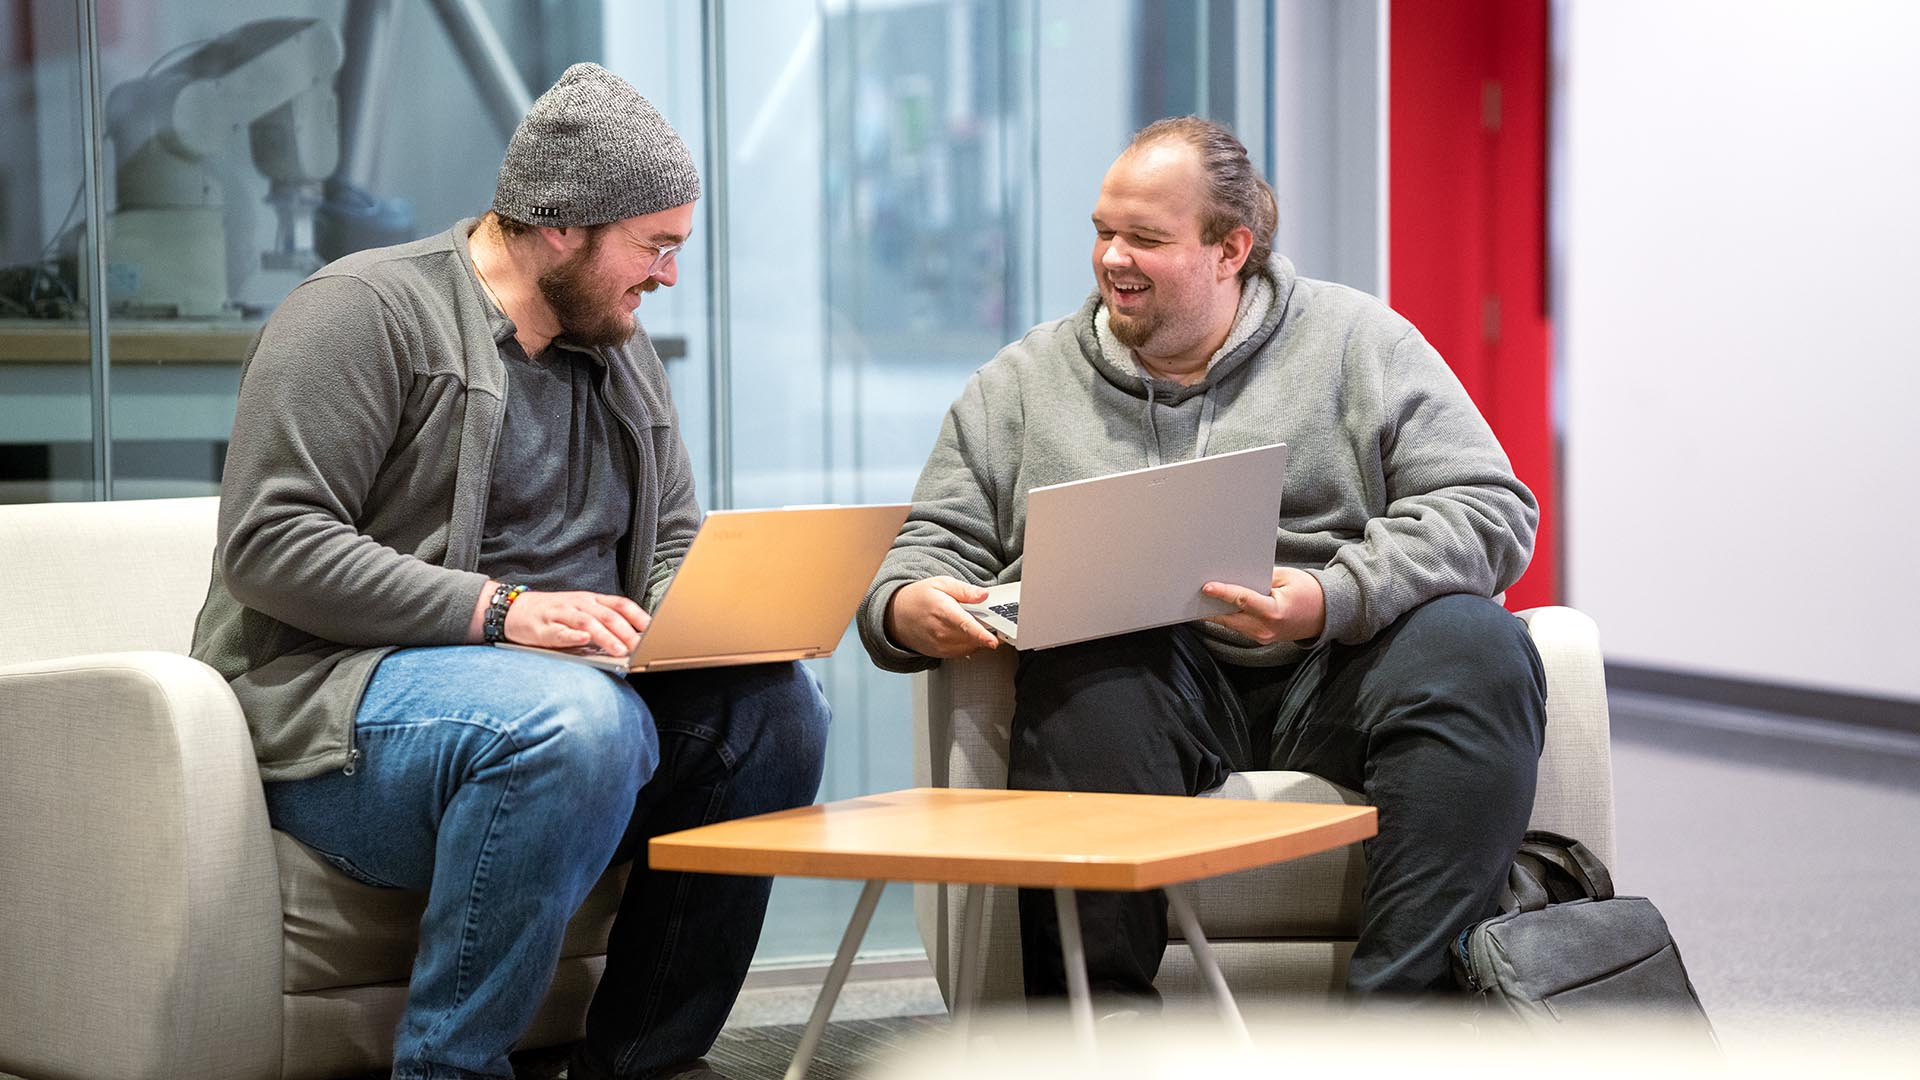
(757,586)
(1130,551)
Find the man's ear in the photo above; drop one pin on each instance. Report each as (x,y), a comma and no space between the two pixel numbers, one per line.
(561,240)
(1234,249)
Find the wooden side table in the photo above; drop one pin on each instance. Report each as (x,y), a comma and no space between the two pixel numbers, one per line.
(1029,839)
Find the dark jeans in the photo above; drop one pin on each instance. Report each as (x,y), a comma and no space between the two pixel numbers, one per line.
(504,783)
(1437,721)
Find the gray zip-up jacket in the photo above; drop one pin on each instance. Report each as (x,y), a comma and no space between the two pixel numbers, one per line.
(1396,489)
(356,483)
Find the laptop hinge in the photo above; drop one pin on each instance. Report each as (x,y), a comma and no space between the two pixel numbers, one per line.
(730,659)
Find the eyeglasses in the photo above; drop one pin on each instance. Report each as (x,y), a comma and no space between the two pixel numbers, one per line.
(662,255)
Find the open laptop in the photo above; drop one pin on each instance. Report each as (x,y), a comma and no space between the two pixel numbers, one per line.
(758,586)
(1130,551)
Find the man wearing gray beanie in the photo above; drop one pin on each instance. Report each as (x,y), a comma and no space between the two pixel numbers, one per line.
(468,440)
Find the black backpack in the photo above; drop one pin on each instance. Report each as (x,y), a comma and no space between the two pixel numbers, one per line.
(1565,948)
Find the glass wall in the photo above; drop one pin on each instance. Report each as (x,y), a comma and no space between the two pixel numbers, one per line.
(47,378)
(895,188)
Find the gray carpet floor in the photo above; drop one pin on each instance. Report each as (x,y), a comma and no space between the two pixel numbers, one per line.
(848,1050)
(1783,855)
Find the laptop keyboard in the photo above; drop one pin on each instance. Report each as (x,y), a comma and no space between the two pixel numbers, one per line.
(1009,612)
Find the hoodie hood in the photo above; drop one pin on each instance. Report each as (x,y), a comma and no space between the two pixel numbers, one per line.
(1263,307)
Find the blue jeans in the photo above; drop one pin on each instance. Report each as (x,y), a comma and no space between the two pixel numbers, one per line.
(504,784)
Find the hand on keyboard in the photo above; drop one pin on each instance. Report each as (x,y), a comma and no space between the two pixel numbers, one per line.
(572,620)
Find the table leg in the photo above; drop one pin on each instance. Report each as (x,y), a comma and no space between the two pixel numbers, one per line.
(1079,999)
(1203,956)
(836,978)
(967,988)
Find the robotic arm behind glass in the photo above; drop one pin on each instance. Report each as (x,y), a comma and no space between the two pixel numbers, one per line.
(167,239)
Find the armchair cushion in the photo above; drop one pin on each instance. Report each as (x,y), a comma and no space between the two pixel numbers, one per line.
(340,932)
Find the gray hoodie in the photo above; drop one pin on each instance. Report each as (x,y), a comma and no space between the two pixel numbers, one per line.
(356,484)
(1396,493)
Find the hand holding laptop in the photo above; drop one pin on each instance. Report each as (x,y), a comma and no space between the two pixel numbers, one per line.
(925,616)
(1187,525)
(1295,609)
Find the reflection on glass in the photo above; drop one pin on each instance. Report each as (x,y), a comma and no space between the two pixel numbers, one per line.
(46,406)
(242,153)
(907,186)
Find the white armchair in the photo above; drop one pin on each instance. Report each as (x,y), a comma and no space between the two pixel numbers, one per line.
(152,924)
(1284,929)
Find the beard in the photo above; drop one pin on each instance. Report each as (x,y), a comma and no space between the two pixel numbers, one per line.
(1133,331)
(586,302)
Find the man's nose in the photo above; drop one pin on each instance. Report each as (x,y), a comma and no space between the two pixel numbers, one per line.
(667,272)
(1116,255)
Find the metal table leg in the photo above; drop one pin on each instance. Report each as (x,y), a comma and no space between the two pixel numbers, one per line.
(836,978)
(1079,999)
(1203,956)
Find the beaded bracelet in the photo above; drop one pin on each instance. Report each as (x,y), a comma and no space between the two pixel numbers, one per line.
(496,620)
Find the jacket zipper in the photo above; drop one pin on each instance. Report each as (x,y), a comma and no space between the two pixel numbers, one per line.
(640,575)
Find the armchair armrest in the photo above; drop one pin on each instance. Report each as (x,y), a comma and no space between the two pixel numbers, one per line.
(136,873)
(963,721)
(1575,791)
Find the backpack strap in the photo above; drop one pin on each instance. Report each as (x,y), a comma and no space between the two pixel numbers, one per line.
(1570,859)
(1525,891)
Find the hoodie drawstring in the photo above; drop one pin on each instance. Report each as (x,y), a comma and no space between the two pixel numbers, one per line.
(1153,428)
(1206,424)
(1207,404)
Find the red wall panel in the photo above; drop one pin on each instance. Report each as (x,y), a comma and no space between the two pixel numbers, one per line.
(1467,141)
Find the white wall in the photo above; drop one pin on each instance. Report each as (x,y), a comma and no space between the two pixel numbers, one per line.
(1329,134)
(1740,222)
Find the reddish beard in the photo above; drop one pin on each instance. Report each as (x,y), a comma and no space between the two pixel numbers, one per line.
(1133,331)
(586,302)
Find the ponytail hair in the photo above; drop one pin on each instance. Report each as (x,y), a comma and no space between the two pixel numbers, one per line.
(1236,195)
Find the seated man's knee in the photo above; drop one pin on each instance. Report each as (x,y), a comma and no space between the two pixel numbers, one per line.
(1475,636)
(798,697)
(595,730)
(788,751)
(1481,651)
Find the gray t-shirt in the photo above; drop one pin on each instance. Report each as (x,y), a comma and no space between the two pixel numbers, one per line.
(558,502)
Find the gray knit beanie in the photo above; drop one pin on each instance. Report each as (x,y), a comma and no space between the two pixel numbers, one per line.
(592,150)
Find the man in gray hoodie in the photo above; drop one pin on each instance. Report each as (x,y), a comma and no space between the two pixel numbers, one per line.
(1376,660)
(468,440)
